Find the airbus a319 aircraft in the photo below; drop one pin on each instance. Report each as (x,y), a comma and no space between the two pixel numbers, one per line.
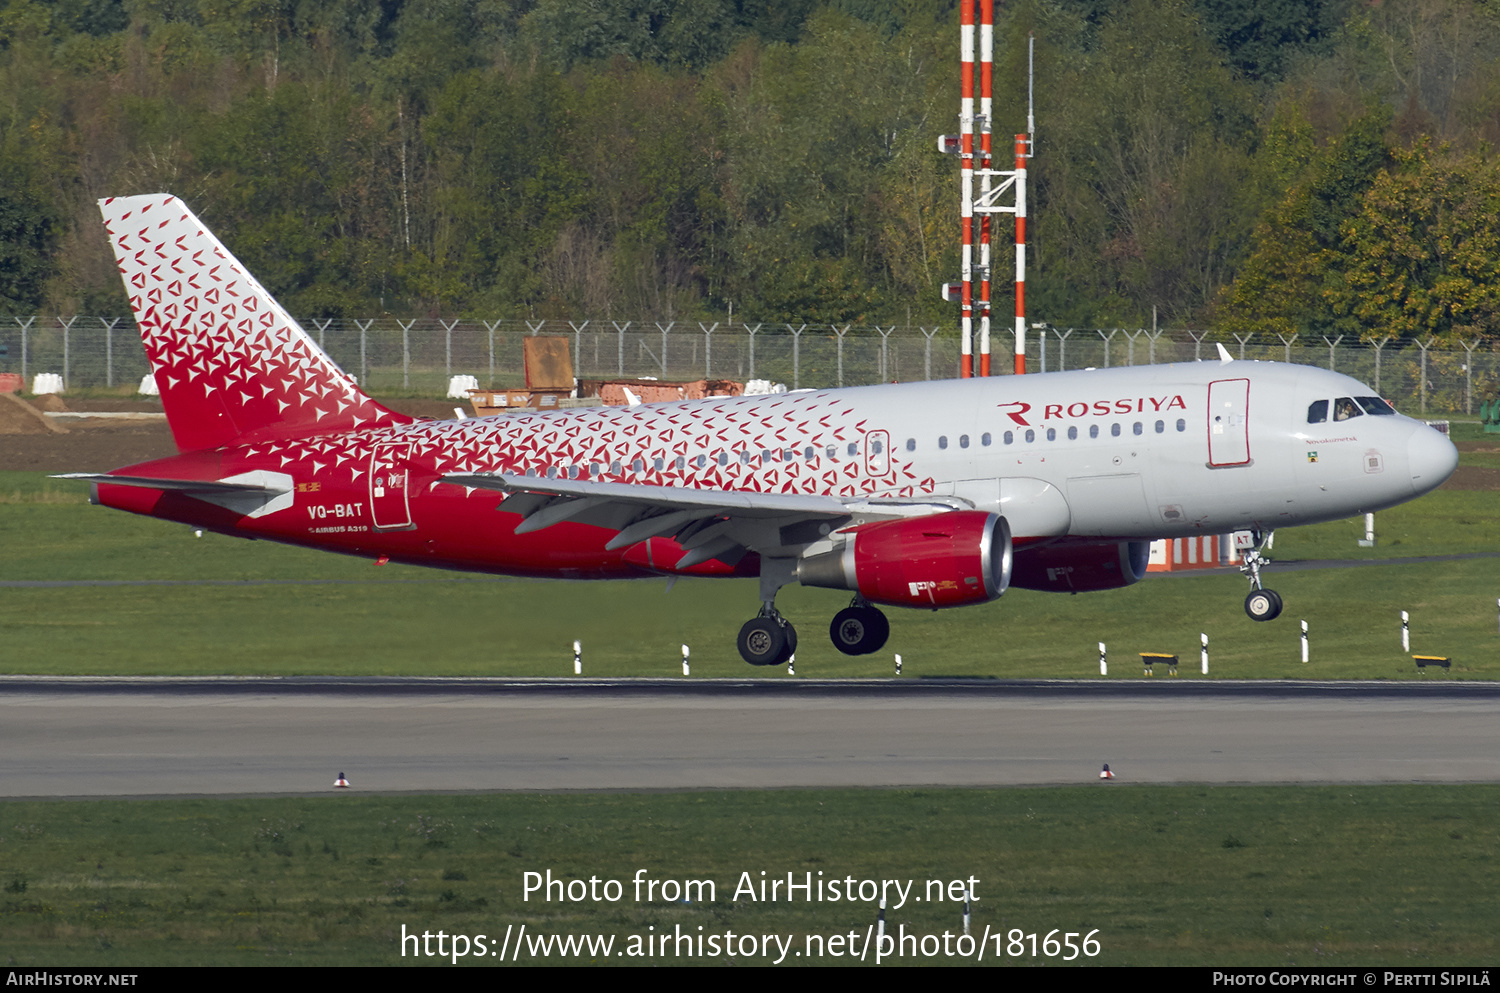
(925,495)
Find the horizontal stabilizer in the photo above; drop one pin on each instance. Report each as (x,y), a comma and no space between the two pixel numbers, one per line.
(177,485)
(250,494)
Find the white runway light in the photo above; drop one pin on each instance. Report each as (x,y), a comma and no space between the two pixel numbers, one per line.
(577,659)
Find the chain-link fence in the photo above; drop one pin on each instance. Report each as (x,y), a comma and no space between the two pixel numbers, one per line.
(390,355)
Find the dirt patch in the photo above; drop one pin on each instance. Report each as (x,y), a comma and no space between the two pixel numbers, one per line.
(49,403)
(19,417)
(99,445)
(1470,477)
(90,446)
(115,405)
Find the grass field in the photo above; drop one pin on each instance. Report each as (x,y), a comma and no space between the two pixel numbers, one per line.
(1185,875)
(1168,875)
(309,612)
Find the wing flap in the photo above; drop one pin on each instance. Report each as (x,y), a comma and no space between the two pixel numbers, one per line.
(738,502)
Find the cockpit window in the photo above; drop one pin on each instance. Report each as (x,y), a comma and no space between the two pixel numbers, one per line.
(1375,405)
(1317,412)
(1345,408)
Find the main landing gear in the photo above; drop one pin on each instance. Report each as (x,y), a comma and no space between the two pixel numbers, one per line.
(859,628)
(767,639)
(1262,604)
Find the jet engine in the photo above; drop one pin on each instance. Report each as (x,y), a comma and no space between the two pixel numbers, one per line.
(943,560)
(1065,568)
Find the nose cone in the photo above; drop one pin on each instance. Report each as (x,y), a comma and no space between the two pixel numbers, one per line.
(1432,459)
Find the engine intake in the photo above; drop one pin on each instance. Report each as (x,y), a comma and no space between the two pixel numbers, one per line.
(1106,565)
(943,560)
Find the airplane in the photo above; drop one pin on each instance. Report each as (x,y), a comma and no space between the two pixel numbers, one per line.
(924,495)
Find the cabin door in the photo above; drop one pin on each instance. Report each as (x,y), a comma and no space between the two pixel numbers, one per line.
(1229,422)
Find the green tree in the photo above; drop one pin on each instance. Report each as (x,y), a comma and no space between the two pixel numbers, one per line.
(1423,253)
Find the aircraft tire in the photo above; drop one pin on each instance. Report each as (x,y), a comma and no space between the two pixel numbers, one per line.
(859,630)
(764,641)
(1263,605)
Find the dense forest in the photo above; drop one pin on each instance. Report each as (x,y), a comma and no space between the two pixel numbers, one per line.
(1315,166)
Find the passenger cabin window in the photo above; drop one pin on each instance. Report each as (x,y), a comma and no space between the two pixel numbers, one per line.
(911,444)
(942,441)
(963,441)
(1114,430)
(1345,408)
(985,439)
(1030,436)
(1317,412)
(1093,430)
(876,447)
(1010,437)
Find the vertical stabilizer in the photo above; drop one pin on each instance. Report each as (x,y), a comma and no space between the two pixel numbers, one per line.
(230,362)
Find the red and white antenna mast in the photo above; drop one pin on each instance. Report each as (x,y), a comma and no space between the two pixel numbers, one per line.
(966,180)
(987,165)
(987,202)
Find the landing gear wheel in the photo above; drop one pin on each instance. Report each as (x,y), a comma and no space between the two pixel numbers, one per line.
(1263,605)
(766,641)
(859,630)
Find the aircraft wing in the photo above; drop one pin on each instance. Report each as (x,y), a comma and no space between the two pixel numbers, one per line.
(721,524)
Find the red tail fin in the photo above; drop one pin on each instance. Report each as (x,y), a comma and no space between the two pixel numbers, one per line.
(230,362)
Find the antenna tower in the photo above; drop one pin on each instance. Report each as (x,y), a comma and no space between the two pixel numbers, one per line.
(972,290)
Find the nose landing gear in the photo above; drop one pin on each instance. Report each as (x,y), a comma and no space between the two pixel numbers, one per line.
(1262,604)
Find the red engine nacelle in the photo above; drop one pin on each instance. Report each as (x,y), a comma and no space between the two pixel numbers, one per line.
(1081,568)
(945,560)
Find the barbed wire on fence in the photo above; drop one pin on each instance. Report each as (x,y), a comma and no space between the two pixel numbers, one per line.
(419,355)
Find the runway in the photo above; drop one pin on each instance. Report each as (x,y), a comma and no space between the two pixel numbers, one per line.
(146,737)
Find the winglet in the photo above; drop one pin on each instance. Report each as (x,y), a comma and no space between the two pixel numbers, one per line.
(1224,357)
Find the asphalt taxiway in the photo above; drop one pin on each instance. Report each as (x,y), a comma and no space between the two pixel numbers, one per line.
(241,736)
